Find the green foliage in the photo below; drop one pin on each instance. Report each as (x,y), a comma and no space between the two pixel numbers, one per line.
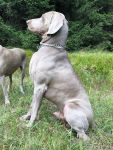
(38,7)
(28,40)
(9,36)
(84,36)
(12,37)
(16,12)
(91,25)
(90,21)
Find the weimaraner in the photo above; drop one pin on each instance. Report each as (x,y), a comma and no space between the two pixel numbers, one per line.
(54,78)
(10,61)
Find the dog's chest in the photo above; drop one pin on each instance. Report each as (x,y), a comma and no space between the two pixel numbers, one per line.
(40,63)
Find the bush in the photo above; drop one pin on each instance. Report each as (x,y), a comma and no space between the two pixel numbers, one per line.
(9,35)
(82,36)
(91,22)
(28,40)
(14,38)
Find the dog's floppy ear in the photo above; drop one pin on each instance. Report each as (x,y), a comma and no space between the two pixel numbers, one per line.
(56,23)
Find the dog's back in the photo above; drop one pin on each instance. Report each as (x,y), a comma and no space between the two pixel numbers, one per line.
(11,59)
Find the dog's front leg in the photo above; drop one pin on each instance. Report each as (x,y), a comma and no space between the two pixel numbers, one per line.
(28,115)
(39,90)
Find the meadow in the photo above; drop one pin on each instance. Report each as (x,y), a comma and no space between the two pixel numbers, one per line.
(95,70)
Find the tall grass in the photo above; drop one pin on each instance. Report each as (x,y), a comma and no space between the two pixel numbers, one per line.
(95,71)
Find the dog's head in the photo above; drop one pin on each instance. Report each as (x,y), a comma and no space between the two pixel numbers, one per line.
(48,24)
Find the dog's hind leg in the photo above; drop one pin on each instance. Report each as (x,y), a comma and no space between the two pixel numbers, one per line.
(4,87)
(77,119)
(10,83)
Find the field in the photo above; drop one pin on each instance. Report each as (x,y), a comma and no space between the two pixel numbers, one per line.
(95,71)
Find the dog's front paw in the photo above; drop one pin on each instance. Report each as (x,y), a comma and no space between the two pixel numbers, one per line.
(25,117)
(29,125)
(22,118)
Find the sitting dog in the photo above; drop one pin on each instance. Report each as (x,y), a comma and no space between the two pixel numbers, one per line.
(10,61)
(54,78)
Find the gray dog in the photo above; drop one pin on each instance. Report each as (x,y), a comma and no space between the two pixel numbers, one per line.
(54,78)
(10,61)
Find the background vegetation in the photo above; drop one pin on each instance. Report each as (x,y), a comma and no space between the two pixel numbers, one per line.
(49,133)
(90,21)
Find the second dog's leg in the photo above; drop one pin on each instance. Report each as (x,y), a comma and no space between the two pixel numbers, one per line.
(77,119)
(4,87)
(22,75)
(10,83)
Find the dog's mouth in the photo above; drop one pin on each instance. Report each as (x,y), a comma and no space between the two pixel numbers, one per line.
(41,33)
(30,28)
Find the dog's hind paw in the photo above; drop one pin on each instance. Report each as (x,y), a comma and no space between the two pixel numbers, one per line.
(59,115)
(83,136)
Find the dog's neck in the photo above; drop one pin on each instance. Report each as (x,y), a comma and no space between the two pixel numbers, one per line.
(57,40)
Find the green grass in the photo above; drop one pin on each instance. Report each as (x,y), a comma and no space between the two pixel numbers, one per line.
(96,73)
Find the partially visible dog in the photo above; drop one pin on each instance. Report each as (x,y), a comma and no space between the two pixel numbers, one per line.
(53,75)
(10,61)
